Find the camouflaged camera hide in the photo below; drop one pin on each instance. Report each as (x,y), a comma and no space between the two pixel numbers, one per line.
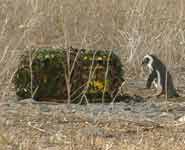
(42,75)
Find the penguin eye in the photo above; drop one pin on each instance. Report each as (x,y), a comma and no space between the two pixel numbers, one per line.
(146,61)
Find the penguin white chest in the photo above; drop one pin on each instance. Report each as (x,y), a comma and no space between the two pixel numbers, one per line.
(150,67)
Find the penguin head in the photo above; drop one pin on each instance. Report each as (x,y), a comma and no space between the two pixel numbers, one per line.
(147,60)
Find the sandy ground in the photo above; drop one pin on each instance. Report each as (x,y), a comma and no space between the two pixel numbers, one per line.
(131,124)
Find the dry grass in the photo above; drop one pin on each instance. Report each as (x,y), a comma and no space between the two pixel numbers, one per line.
(56,129)
(132,28)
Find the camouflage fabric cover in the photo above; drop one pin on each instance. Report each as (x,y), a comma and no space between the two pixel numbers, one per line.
(42,74)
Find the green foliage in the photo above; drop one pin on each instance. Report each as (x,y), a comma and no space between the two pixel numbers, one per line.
(42,74)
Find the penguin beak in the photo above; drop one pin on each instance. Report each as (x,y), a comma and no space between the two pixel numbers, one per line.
(143,62)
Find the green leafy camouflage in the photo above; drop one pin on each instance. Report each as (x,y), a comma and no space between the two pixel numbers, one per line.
(42,74)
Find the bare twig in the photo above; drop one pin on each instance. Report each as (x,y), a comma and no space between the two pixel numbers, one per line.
(118,92)
(34,127)
(106,75)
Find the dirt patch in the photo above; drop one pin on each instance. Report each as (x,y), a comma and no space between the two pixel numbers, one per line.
(149,124)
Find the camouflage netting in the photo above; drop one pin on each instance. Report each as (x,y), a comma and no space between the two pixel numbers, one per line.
(42,74)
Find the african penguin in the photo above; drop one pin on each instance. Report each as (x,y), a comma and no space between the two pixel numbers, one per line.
(159,76)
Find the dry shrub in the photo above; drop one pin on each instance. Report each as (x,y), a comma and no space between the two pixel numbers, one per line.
(132,28)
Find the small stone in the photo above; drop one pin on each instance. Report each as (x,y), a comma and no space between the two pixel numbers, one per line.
(127,109)
(182,119)
(44,108)
(73,110)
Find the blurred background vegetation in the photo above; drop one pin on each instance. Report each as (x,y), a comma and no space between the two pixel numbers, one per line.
(131,28)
